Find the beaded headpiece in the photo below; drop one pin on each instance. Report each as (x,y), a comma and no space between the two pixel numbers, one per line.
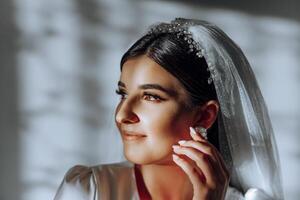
(180,28)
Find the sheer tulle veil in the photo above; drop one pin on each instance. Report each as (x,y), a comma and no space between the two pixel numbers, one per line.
(246,136)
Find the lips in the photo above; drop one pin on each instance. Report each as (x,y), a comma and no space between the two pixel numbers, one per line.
(130,135)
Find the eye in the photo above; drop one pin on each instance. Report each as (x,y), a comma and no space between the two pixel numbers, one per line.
(152,97)
(146,95)
(121,93)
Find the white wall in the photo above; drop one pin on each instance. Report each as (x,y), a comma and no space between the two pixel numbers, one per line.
(68,65)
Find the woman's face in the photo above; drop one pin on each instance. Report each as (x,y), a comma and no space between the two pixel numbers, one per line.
(152,105)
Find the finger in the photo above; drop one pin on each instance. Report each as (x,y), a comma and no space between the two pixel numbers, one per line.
(222,164)
(208,149)
(203,161)
(196,177)
(196,136)
(193,164)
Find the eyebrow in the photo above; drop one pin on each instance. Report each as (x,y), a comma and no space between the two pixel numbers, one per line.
(168,91)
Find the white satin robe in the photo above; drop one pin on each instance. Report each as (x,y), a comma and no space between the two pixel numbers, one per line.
(117,181)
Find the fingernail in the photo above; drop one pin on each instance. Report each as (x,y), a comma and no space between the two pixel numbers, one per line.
(192,131)
(181,142)
(175,157)
(175,147)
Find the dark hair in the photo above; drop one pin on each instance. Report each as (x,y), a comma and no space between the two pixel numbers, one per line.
(173,54)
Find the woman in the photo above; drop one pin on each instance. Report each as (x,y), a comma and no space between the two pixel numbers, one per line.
(193,122)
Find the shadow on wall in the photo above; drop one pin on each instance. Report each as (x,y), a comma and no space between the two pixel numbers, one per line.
(9,138)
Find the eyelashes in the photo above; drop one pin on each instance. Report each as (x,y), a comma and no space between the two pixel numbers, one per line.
(120,93)
(154,97)
(146,95)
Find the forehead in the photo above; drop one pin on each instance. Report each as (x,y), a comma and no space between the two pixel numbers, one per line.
(143,70)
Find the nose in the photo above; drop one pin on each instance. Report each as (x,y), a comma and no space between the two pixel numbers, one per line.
(125,114)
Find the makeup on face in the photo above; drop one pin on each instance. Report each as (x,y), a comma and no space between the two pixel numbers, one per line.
(151,115)
(129,137)
(151,86)
(132,136)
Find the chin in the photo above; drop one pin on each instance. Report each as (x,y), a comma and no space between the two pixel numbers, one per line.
(137,157)
(141,158)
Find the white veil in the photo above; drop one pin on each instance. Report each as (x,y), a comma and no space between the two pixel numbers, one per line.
(246,136)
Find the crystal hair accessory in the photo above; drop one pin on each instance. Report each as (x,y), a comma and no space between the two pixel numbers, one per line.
(202,131)
(181,29)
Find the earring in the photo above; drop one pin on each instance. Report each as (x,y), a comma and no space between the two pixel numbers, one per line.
(201,130)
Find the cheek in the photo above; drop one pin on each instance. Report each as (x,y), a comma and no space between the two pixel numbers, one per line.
(165,122)
(115,114)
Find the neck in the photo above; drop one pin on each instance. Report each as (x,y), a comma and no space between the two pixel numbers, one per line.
(163,182)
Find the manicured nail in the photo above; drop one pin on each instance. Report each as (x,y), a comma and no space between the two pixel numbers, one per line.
(192,131)
(175,157)
(175,147)
(181,142)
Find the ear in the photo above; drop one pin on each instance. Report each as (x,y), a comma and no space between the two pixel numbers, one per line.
(207,114)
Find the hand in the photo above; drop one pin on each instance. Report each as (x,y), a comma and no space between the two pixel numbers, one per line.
(207,171)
